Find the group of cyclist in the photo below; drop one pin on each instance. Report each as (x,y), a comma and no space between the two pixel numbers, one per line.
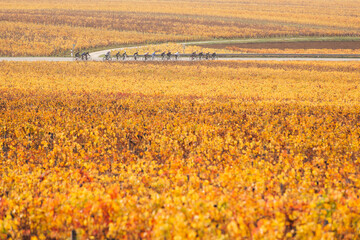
(164,56)
(82,56)
(201,55)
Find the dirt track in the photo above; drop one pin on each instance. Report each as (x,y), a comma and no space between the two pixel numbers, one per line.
(290,45)
(32,59)
(57,59)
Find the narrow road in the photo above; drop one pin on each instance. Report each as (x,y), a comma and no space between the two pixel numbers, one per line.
(32,59)
(64,59)
(292,59)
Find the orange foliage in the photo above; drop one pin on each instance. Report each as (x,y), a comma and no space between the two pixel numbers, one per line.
(293,51)
(179,150)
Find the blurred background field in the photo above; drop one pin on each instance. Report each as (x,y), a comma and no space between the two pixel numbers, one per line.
(46,27)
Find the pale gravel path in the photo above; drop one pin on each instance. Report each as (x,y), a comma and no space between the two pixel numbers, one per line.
(294,59)
(32,59)
(63,59)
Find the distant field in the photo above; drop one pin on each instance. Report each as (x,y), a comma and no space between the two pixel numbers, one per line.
(311,47)
(338,47)
(47,27)
(352,45)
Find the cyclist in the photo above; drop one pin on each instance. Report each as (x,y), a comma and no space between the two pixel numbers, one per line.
(168,55)
(84,56)
(201,54)
(77,55)
(213,56)
(124,56)
(107,55)
(146,55)
(207,55)
(117,55)
(177,55)
(193,55)
(163,55)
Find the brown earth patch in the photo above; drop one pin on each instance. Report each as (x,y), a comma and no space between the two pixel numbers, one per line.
(290,45)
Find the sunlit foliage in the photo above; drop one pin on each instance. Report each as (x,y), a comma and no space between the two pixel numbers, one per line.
(172,47)
(28,39)
(188,49)
(180,150)
(290,51)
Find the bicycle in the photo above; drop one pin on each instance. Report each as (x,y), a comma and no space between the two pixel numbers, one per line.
(107,58)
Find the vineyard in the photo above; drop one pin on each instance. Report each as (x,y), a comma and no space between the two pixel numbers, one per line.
(50,28)
(178,150)
(169,47)
(351,47)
